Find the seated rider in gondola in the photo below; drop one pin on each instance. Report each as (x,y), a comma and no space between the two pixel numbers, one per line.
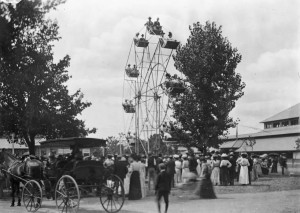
(137,36)
(157,24)
(149,23)
(134,69)
(142,38)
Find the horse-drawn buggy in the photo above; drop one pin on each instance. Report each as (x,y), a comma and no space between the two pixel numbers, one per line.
(29,173)
(73,179)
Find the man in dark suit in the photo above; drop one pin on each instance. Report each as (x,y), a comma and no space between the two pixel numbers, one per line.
(250,167)
(232,172)
(120,168)
(159,160)
(163,187)
(170,169)
(193,164)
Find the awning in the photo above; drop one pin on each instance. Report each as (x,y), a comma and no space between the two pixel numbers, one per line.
(244,149)
(79,142)
(272,144)
(232,144)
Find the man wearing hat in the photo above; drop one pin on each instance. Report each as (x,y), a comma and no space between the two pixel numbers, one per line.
(121,168)
(283,162)
(170,168)
(163,187)
(109,162)
(250,167)
(232,172)
(224,169)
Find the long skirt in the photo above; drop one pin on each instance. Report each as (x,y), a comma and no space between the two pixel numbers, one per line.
(244,175)
(254,173)
(215,176)
(205,189)
(198,169)
(135,192)
(265,171)
(185,175)
(224,176)
(177,176)
(274,168)
(258,169)
(143,185)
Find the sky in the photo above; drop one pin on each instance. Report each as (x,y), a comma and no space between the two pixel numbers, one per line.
(97,35)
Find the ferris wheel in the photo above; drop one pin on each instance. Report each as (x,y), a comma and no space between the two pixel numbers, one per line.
(145,91)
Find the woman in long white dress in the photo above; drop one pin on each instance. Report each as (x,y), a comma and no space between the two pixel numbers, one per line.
(215,174)
(127,178)
(198,167)
(185,169)
(244,175)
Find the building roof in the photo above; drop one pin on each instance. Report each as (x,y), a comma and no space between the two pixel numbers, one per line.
(292,112)
(269,132)
(6,145)
(271,145)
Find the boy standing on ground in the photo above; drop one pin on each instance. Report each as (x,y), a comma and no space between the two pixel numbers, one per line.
(163,187)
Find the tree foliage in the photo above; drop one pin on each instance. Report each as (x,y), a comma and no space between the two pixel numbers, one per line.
(207,63)
(34,98)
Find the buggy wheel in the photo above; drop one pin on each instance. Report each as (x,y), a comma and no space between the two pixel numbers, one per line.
(32,196)
(67,196)
(112,195)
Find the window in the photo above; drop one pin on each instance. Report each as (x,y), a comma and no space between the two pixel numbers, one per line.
(268,125)
(276,124)
(295,122)
(285,123)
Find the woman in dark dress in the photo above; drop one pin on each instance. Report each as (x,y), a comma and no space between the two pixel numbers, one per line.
(274,165)
(205,187)
(135,192)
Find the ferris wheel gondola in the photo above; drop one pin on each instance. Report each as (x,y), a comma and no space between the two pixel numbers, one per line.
(145,93)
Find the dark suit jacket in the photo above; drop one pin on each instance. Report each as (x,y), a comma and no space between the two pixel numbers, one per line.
(121,169)
(251,164)
(158,161)
(193,165)
(163,182)
(170,167)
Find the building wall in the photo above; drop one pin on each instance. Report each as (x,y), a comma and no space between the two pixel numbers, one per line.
(296,155)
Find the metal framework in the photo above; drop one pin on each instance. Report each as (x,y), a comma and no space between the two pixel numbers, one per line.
(145,90)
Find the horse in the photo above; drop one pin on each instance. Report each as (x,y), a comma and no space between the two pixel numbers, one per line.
(20,171)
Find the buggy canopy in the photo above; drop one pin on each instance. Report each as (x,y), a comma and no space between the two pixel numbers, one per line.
(78,142)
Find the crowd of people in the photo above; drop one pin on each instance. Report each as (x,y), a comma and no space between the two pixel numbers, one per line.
(161,173)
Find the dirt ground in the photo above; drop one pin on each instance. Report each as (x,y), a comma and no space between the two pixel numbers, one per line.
(269,183)
(270,194)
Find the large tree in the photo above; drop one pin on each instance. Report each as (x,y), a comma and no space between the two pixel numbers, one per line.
(207,63)
(34,98)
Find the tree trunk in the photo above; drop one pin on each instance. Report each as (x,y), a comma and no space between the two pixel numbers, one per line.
(204,150)
(30,141)
(31,145)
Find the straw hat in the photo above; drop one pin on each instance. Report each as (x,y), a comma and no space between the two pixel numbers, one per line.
(224,155)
